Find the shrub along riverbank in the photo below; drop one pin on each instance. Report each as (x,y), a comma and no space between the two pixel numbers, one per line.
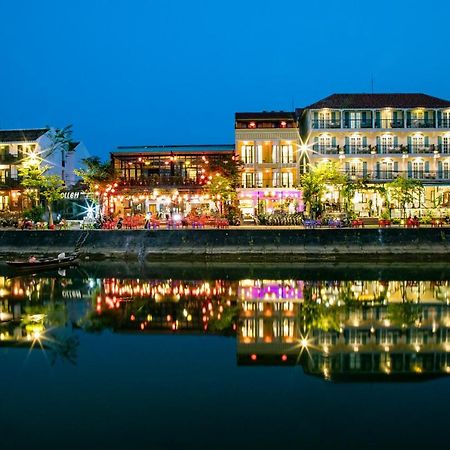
(237,244)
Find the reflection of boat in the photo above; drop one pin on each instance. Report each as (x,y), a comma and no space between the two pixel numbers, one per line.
(45,263)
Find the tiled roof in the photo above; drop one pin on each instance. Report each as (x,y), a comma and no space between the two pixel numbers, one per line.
(355,101)
(22,135)
(175,148)
(268,115)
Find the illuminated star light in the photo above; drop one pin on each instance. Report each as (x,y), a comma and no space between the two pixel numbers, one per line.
(306,148)
(304,343)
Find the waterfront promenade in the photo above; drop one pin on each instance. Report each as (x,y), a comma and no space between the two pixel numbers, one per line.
(282,244)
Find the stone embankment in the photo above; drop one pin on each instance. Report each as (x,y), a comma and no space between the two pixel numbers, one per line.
(237,244)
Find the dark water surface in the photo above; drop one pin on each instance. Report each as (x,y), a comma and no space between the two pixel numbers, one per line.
(116,356)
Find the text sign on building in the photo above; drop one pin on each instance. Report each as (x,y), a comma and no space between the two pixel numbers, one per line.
(73,195)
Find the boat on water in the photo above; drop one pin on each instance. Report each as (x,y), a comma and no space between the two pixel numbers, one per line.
(44,263)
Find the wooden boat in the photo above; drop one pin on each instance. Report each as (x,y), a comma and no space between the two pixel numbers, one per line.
(45,263)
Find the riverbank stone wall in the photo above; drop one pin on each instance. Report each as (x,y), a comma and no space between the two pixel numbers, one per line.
(399,244)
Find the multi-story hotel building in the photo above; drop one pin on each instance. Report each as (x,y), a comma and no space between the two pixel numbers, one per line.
(375,137)
(379,137)
(267,144)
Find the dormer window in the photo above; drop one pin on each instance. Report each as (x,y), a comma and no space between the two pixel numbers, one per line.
(252,125)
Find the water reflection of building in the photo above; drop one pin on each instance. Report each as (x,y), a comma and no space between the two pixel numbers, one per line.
(344,330)
(166,305)
(31,305)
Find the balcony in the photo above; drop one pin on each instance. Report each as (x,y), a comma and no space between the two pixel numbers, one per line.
(390,149)
(389,123)
(357,149)
(420,123)
(320,124)
(160,181)
(326,149)
(432,176)
(422,149)
(9,183)
(358,123)
(10,159)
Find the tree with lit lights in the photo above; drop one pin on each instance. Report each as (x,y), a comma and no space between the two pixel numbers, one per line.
(314,185)
(98,177)
(38,184)
(221,178)
(405,191)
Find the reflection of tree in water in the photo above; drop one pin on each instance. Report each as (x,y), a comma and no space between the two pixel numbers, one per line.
(112,319)
(227,323)
(407,312)
(62,347)
(320,314)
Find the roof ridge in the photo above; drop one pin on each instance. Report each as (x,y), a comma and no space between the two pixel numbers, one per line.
(24,129)
(174,146)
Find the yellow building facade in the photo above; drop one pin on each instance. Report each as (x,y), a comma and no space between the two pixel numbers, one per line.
(267,144)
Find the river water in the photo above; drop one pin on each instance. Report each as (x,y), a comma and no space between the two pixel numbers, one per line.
(117,356)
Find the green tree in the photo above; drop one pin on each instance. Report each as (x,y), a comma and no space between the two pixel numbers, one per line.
(97,177)
(39,185)
(96,172)
(32,178)
(404,191)
(348,190)
(60,139)
(51,190)
(223,177)
(314,185)
(228,167)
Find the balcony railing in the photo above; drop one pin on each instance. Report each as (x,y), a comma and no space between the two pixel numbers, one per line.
(9,182)
(357,150)
(421,149)
(326,149)
(420,123)
(389,123)
(400,121)
(389,175)
(160,181)
(390,149)
(10,159)
(358,123)
(321,124)
(382,149)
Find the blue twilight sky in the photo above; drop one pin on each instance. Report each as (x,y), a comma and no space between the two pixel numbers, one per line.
(132,72)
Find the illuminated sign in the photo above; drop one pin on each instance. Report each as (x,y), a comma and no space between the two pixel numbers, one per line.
(73,195)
